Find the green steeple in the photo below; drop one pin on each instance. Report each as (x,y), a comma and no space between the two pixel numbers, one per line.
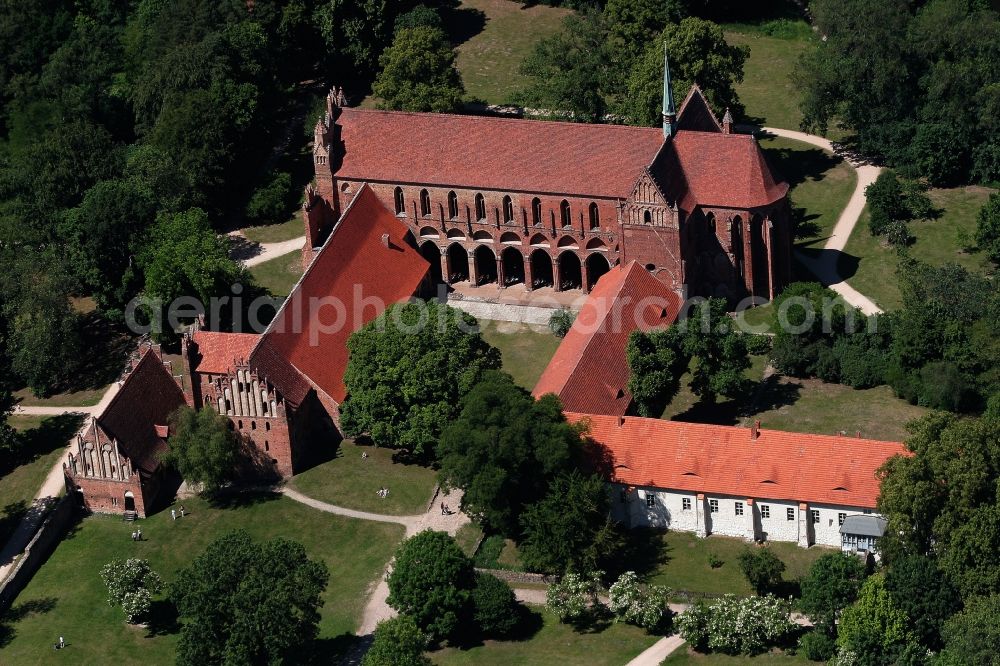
(669,113)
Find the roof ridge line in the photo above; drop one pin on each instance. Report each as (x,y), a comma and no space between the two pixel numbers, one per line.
(476,116)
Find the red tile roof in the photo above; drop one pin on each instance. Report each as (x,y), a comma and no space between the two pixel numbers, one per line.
(142,405)
(778,465)
(726,170)
(365,265)
(589,371)
(219,352)
(506,154)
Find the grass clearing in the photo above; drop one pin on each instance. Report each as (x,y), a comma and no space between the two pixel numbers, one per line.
(810,405)
(275,233)
(280,274)
(526,349)
(683,562)
(348,480)
(686,406)
(67,596)
(870,265)
(468,537)
(684,656)
(492,38)
(821,185)
(80,398)
(554,643)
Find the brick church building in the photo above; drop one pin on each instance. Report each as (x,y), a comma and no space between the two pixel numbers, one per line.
(557,204)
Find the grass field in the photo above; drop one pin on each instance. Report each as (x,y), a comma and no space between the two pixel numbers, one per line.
(492,37)
(809,405)
(683,562)
(81,398)
(555,643)
(871,266)
(526,349)
(67,596)
(350,481)
(44,439)
(821,185)
(275,233)
(683,656)
(280,274)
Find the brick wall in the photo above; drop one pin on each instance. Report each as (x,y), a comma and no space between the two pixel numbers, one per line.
(108,495)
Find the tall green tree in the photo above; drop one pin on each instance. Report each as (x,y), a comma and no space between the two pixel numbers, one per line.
(243,601)
(988,228)
(972,635)
(418,73)
(719,350)
(874,626)
(408,371)
(570,529)
(924,592)
(656,361)
(699,54)
(832,585)
(761,568)
(398,641)
(202,447)
(504,449)
(431,581)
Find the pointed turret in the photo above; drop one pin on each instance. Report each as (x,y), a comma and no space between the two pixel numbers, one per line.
(727,122)
(669,112)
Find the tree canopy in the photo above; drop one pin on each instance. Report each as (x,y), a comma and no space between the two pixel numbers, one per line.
(408,371)
(832,584)
(202,447)
(504,449)
(418,72)
(245,601)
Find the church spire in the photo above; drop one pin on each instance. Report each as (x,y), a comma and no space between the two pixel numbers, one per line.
(669,113)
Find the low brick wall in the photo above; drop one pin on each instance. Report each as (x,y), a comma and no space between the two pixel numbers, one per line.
(51,531)
(515,577)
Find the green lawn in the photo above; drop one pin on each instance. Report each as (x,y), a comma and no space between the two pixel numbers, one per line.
(821,185)
(492,37)
(66,597)
(760,318)
(82,398)
(683,562)
(468,538)
(526,349)
(683,656)
(871,265)
(350,481)
(767,90)
(44,440)
(275,233)
(280,274)
(555,643)
(809,405)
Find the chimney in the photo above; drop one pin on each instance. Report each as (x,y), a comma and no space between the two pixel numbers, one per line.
(727,122)
(754,430)
(385,240)
(621,421)
(858,434)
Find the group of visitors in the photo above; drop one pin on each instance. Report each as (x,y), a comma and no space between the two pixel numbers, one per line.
(383,492)
(173,512)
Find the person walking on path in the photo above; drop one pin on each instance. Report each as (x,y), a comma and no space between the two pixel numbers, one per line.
(182,510)
(133,535)
(62,643)
(173,515)
(138,534)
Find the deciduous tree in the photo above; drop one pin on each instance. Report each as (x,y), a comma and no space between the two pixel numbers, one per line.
(831,586)
(762,569)
(418,73)
(202,447)
(988,228)
(131,584)
(398,641)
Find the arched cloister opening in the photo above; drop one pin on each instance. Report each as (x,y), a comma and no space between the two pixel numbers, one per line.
(486,265)
(538,240)
(596,244)
(597,265)
(429,251)
(429,232)
(510,238)
(482,236)
(129,501)
(458,263)
(567,242)
(513,266)
(397,197)
(456,234)
(541,269)
(570,273)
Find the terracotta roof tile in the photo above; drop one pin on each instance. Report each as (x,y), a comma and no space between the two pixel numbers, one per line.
(218,352)
(589,371)
(726,170)
(143,404)
(365,265)
(778,465)
(495,153)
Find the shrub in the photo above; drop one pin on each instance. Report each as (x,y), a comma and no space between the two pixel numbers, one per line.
(817,646)
(758,345)
(631,603)
(715,561)
(737,625)
(897,234)
(131,584)
(762,568)
(397,642)
(988,228)
(574,598)
(494,606)
(269,203)
(561,321)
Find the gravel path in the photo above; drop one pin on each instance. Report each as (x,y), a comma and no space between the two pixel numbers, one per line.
(825,265)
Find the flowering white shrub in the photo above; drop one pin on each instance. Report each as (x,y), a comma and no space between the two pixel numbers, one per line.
(737,625)
(574,596)
(631,603)
(131,585)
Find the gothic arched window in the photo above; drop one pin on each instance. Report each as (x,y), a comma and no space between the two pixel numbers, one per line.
(480,207)
(508,210)
(647,217)
(536,211)
(452,205)
(595,216)
(400,203)
(425,203)
(564,214)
